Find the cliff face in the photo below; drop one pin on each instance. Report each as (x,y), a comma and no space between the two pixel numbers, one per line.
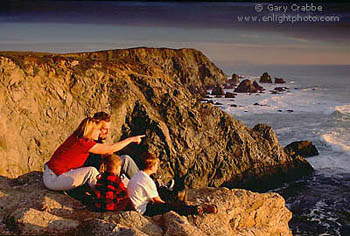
(188,67)
(43,97)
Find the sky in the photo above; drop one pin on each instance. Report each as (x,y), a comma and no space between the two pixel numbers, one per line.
(229,33)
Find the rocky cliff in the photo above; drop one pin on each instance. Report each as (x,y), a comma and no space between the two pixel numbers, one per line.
(43,97)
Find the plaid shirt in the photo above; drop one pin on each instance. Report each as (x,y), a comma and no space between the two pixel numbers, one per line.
(111,194)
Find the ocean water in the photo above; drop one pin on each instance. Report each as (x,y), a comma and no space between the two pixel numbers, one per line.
(315,107)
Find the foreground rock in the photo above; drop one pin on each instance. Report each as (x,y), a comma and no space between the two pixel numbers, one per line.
(302,148)
(43,98)
(29,209)
(30,221)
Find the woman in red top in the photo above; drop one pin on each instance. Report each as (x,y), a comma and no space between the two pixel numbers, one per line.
(65,171)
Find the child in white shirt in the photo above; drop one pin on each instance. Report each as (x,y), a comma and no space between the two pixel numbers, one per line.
(144,195)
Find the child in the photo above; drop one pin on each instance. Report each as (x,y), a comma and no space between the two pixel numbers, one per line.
(111,194)
(144,195)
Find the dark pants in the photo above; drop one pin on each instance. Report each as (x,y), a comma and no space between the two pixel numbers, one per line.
(179,207)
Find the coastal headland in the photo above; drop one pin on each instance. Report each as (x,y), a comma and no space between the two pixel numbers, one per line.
(151,91)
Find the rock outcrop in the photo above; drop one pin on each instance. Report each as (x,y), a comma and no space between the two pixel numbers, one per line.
(265,78)
(303,148)
(246,86)
(43,97)
(279,81)
(30,209)
(218,90)
(234,79)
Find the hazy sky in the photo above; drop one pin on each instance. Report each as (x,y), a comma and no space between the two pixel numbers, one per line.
(214,28)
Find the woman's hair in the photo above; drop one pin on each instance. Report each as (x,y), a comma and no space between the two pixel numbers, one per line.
(110,161)
(87,128)
(148,160)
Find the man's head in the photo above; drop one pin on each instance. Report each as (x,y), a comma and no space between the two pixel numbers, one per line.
(112,163)
(105,124)
(149,161)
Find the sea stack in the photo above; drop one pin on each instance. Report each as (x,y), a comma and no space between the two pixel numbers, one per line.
(234,79)
(265,78)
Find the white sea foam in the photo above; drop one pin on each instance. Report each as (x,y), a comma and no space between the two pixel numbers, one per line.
(294,99)
(339,141)
(290,101)
(302,112)
(331,161)
(345,109)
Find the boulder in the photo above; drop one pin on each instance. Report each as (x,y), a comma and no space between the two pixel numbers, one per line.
(179,225)
(218,90)
(279,81)
(30,221)
(236,214)
(230,95)
(302,148)
(280,89)
(265,78)
(137,221)
(100,227)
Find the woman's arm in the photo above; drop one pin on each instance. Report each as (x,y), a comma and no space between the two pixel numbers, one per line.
(102,148)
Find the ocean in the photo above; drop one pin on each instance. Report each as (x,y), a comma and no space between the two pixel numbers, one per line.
(315,107)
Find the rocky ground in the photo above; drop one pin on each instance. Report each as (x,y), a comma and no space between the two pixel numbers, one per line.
(27,208)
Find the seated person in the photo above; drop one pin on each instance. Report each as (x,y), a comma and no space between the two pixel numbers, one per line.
(129,167)
(144,195)
(65,170)
(111,194)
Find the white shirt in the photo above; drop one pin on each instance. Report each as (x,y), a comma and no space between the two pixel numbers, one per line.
(141,189)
